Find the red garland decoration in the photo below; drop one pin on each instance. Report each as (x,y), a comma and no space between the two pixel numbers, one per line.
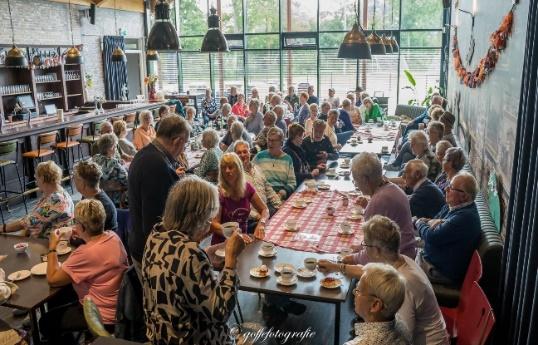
(487,64)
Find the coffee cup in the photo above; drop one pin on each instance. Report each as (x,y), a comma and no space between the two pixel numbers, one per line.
(345,227)
(332,171)
(310,263)
(291,224)
(300,203)
(229,228)
(353,141)
(345,252)
(64,233)
(384,149)
(347,161)
(311,184)
(357,211)
(330,210)
(268,248)
(287,274)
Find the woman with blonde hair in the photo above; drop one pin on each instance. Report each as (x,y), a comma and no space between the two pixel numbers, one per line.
(235,197)
(209,164)
(309,123)
(145,133)
(53,210)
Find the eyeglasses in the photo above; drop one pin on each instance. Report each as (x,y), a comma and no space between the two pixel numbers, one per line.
(449,187)
(367,245)
(357,292)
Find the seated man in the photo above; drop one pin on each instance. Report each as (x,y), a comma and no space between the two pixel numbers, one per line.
(426,199)
(378,296)
(318,147)
(452,236)
(227,139)
(437,101)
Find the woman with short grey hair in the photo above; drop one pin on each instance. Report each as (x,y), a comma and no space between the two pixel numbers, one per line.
(421,149)
(175,267)
(209,164)
(114,180)
(237,132)
(452,163)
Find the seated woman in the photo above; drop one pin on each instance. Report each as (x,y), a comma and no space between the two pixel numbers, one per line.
(235,197)
(209,164)
(293,148)
(421,149)
(448,120)
(95,269)
(330,129)
(125,147)
(440,150)
(164,112)
(209,106)
(240,108)
(269,121)
(309,123)
(237,132)
(452,163)
(373,110)
(190,115)
(53,210)
(145,133)
(184,303)
(114,179)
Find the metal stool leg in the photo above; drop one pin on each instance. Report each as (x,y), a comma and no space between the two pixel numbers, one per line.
(22,189)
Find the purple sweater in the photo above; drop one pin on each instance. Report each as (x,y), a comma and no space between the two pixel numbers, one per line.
(390,201)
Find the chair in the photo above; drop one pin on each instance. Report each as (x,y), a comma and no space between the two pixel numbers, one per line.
(475,321)
(93,319)
(474,273)
(73,136)
(410,111)
(7,148)
(44,143)
(95,128)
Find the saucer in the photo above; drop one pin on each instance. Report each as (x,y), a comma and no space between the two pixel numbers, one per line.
(62,250)
(331,283)
(291,229)
(255,272)
(324,187)
(344,166)
(19,275)
(267,255)
(342,232)
(280,266)
(304,273)
(220,253)
(39,269)
(354,217)
(291,282)
(299,206)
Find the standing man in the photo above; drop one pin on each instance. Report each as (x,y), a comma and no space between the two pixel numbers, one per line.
(153,171)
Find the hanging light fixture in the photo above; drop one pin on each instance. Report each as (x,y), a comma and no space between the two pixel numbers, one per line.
(73,55)
(152,55)
(214,40)
(15,57)
(387,41)
(394,43)
(355,45)
(374,40)
(163,35)
(118,54)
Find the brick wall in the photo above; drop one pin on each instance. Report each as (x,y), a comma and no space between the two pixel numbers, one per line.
(41,22)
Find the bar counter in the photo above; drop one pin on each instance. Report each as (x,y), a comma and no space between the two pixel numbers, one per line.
(44,124)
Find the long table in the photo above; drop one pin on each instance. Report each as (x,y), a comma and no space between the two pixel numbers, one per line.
(372,139)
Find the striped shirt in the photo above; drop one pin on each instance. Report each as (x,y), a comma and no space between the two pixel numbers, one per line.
(278,170)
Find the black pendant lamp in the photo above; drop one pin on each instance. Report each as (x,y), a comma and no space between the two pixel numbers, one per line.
(73,55)
(214,40)
(375,41)
(152,55)
(355,45)
(15,57)
(163,35)
(118,55)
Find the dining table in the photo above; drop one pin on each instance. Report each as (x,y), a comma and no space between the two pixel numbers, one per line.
(34,291)
(376,138)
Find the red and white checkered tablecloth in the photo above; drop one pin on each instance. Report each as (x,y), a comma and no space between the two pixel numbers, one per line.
(318,232)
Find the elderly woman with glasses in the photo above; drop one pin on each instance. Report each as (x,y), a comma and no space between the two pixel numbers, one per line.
(114,180)
(378,296)
(420,312)
(453,161)
(235,197)
(184,303)
(145,133)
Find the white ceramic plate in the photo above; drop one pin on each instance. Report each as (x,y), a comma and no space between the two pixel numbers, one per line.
(255,272)
(19,275)
(220,253)
(330,174)
(291,282)
(304,273)
(280,266)
(324,187)
(333,283)
(267,255)
(39,269)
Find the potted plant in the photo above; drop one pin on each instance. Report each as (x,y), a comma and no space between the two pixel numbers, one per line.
(429,92)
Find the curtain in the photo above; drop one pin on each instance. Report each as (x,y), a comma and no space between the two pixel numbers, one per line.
(115,72)
(517,322)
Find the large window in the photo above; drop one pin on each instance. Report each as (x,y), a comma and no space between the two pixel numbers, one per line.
(295,42)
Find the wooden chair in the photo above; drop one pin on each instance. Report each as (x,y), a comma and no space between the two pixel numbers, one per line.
(95,128)
(10,148)
(73,136)
(45,142)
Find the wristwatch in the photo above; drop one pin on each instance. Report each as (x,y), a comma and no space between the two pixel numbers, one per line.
(51,251)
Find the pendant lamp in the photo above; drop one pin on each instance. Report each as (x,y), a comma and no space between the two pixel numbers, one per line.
(355,45)
(394,43)
(214,40)
(73,55)
(152,55)
(15,57)
(163,35)
(118,55)
(386,38)
(374,40)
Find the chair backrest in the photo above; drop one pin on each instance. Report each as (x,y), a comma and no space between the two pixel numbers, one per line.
(74,131)
(475,322)
(46,138)
(474,273)
(8,147)
(93,319)
(411,111)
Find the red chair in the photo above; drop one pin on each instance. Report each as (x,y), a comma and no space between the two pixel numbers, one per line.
(475,321)
(474,273)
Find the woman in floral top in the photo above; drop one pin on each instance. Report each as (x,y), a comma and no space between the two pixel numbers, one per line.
(209,165)
(114,179)
(184,303)
(209,106)
(53,210)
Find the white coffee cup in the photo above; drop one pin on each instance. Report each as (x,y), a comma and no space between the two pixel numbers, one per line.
(64,233)
(345,252)
(299,203)
(287,274)
(347,161)
(310,263)
(384,149)
(332,170)
(345,227)
(268,248)
(291,224)
(229,228)
(353,140)
(310,184)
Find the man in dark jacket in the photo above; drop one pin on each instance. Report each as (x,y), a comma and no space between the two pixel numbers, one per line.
(318,147)
(153,171)
(426,199)
(452,236)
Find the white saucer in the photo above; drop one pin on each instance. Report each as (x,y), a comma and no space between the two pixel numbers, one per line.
(291,229)
(280,266)
(354,217)
(267,255)
(291,282)
(62,250)
(342,232)
(304,273)
(255,273)
(299,207)
(324,187)
(19,275)
(220,253)
(39,269)
(336,285)
(344,166)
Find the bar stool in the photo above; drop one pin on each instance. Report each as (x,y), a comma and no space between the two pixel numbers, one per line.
(95,128)
(72,136)
(44,144)
(6,148)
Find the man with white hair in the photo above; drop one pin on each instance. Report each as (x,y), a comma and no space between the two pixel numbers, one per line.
(227,139)
(421,149)
(437,99)
(426,199)
(280,123)
(378,296)
(454,233)
(386,199)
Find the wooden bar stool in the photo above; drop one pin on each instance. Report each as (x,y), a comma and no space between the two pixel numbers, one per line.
(72,136)
(44,144)
(95,128)
(8,148)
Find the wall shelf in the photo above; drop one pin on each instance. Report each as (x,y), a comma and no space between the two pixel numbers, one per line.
(49,98)
(48,82)
(16,94)
(75,95)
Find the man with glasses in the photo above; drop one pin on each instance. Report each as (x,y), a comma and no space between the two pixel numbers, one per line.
(378,296)
(452,236)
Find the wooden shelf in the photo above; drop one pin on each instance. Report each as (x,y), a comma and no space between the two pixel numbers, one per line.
(48,82)
(72,79)
(16,94)
(75,95)
(47,99)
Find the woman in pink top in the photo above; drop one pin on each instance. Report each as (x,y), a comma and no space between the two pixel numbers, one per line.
(95,270)
(145,133)
(240,108)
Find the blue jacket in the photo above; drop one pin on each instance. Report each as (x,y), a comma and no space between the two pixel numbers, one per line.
(346,119)
(427,200)
(413,125)
(450,245)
